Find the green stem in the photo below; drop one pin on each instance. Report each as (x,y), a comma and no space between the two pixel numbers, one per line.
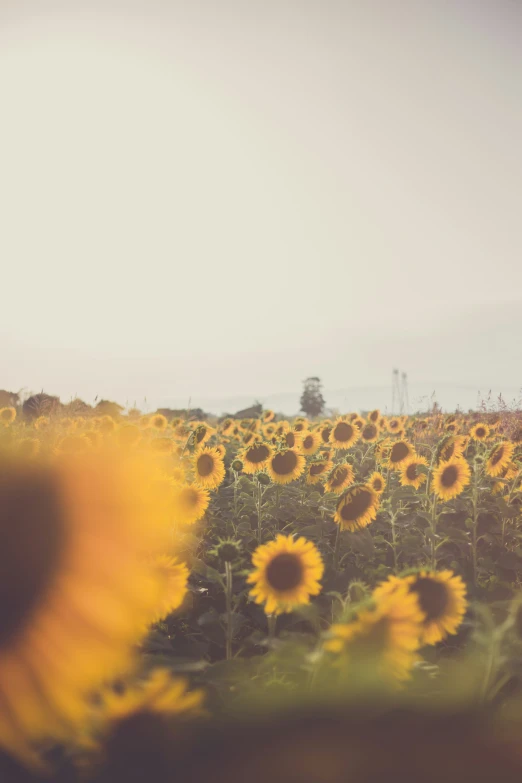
(394,542)
(259,512)
(337,549)
(228,598)
(272,625)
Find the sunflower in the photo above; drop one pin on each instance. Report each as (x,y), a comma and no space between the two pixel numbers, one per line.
(300,425)
(357,507)
(317,470)
(128,435)
(449,447)
(190,502)
(42,423)
(28,447)
(358,422)
(410,474)
(369,433)
(325,430)
(292,439)
(451,478)
(173,577)
(286,573)
(344,434)
(72,444)
(227,426)
(310,443)
(281,428)
(400,452)
(285,466)
(7,416)
(255,457)
(106,424)
(499,458)
(377,482)
(75,588)
(161,445)
(209,468)
(221,450)
(480,432)
(267,416)
(442,600)
(340,478)
(374,416)
(158,422)
(385,635)
(249,437)
(382,450)
(395,426)
(201,433)
(452,427)
(269,430)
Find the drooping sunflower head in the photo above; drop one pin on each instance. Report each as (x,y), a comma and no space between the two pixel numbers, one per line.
(442,601)
(344,434)
(499,458)
(201,433)
(285,466)
(357,507)
(292,439)
(411,472)
(383,636)
(286,573)
(249,437)
(374,416)
(190,501)
(318,470)
(267,416)
(449,447)
(377,482)
(226,426)
(310,442)
(451,478)
(158,422)
(369,433)
(452,427)
(480,432)
(209,469)
(340,477)
(7,416)
(325,429)
(255,457)
(400,452)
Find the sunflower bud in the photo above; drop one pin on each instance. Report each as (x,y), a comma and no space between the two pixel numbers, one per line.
(263,478)
(228,550)
(357,592)
(237,465)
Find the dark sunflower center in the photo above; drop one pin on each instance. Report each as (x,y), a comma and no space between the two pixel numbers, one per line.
(299,427)
(284,572)
(205,465)
(399,452)
(290,439)
(338,477)
(374,416)
(356,506)
(308,442)
(343,432)
(394,424)
(449,476)
(316,468)
(189,497)
(369,432)
(32,539)
(257,454)
(200,434)
(377,484)
(497,455)
(411,471)
(325,434)
(448,451)
(480,432)
(433,597)
(284,463)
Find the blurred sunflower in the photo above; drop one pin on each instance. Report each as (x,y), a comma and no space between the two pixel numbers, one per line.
(161,445)
(373,416)
(106,424)
(249,437)
(442,600)
(209,469)
(400,452)
(267,416)
(292,439)
(358,422)
(499,458)
(451,478)
(158,422)
(394,426)
(75,588)
(269,430)
(300,425)
(452,427)
(7,416)
(190,502)
(128,435)
(201,433)
(317,470)
(325,429)
(281,428)
(255,457)
(357,507)
(72,444)
(42,423)
(369,433)
(285,466)
(310,443)
(449,447)
(377,482)
(343,434)
(480,432)
(340,478)
(384,634)
(173,577)
(227,426)
(410,474)
(286,573)
(28,447)
(221,450)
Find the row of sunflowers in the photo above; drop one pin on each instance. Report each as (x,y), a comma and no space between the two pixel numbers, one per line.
(177,570)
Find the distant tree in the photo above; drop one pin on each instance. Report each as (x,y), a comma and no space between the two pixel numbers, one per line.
(9,399)
(108,408)
(41,405)
(312,400)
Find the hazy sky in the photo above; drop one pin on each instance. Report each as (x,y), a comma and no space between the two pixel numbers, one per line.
(211,198)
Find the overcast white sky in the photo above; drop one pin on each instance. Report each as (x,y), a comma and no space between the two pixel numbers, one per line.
(216,199)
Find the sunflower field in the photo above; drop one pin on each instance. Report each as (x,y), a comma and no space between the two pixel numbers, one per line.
(168,585)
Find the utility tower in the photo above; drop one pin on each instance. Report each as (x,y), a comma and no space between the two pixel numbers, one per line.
(400,399)
(396,391)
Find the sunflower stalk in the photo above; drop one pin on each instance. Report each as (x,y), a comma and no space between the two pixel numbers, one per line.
(228,599)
